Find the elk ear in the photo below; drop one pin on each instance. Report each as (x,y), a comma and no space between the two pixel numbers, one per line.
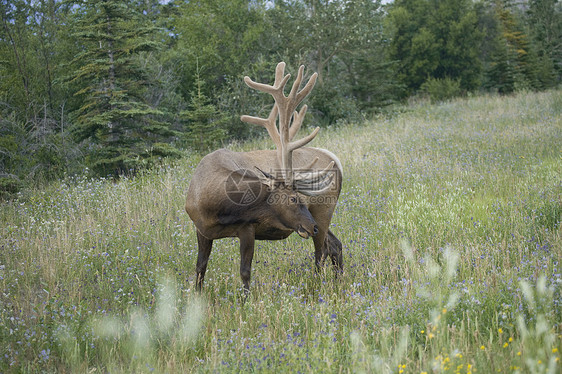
(266,178)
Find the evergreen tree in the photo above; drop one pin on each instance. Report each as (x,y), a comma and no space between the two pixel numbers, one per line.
(545,24)
(435,39)
(512,61)
(114,121)
(205,124)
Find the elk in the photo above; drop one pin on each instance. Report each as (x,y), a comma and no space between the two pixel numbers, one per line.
(268,194)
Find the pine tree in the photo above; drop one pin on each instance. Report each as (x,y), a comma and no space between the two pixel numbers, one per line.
(114,121)
(545,24)
(512,61)
(205,124)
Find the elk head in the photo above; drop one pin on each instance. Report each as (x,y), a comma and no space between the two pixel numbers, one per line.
(289,208)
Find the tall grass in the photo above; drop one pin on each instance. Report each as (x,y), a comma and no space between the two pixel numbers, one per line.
(450,221)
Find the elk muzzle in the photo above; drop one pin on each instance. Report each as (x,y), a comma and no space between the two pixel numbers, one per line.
(307,232)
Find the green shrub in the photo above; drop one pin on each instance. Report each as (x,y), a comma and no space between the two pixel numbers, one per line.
(440,90)
(9,185)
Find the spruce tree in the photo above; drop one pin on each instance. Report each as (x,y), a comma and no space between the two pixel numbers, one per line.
(205,124)
(545,23)
(114,121)
(512,61)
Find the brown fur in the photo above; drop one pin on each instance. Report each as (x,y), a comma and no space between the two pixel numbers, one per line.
(216,216)
(253,195)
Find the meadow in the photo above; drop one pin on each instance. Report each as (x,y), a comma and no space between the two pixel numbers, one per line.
(450,219)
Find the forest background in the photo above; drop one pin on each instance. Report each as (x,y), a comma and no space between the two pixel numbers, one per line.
(111,87)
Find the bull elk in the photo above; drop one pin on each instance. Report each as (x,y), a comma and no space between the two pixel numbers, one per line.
(268,194)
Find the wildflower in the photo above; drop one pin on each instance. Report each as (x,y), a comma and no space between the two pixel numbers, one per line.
(519,353)
(554,350)
(482,347)
(505,344)
(500,331)
(510,339)
(422,331)
(444,310)
(430,335)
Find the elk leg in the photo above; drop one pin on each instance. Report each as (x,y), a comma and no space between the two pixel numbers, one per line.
(247,238)
(319,250)
(327,244)
(205,246)
(334,248)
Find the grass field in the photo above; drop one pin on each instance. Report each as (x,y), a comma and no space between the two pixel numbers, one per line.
(450,218)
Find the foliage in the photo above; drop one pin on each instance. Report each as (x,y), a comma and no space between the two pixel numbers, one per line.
(513,64)
(441,89)
(344,42)
(204,122)
(450,222)
(116,124)
(435,39)
(216,40)
(118,76)
(545,24)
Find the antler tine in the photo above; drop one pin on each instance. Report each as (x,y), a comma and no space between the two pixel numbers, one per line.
(307,88)
(268,123)
(275,90)
(303,141)
(296,83)
(297,122)
(279,74)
